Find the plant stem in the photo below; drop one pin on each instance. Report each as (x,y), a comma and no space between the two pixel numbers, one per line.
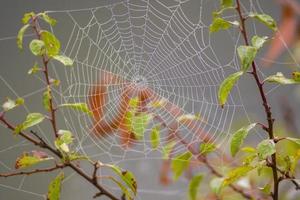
(44,145)
(266,106)
(45,61)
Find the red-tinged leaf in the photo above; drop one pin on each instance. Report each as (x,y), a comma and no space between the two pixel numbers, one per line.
(285,35)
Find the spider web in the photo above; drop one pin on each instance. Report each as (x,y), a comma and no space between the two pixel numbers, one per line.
(162,44)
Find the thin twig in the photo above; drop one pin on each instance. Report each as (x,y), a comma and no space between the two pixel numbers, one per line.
(36,171)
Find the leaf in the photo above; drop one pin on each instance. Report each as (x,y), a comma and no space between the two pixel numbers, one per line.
(238,138)
(77,106)
(180,163)
(193,186)
(258,42)
(27,160)
(266,189)
(10,104)
(265,148)
(158,104)
(236,174)
(167,149)
(227,86)
(52,44)
(75,156)
(21,35)
(54,187)
(281,79)
(65,138)
(32,119)
(34,69)
(249,150)
(219,24)
(188,117)
(46,99)
(124,189)
(48,19)
(216,185)
(206,148)
(246,55)
(265,19)
(127,177)
(27,17)
(226,3)
(294,140)
(285,35)
(37,47)
(296,76)
(66,61)
(154,137)
(139,124)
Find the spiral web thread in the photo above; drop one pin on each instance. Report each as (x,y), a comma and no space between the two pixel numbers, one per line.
(156,42)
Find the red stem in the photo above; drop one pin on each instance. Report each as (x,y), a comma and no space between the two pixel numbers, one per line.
(264,100)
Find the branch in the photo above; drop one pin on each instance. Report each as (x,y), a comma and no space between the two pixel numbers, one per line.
(45,61)
(77,169)
(36,171)
(264,101)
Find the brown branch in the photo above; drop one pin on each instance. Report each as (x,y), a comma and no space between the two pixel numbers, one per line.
(77,169)
(264,100)
(45,60)
(36,171)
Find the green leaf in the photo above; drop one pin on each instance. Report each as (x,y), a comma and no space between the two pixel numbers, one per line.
(10,104)
(206,148)
(54,187)
(65,138)
(265,148)
(188,117)
(125,191)
(52,44)
(180,163)
(77,106)
(227,86)
(27,17)
(34,69)
(281,79)
(296,76)
(226,3)
(216,185)
(154,137)
(37,47)
(139,124)
(266,189)
(167,149)
(219,24)
(127,177)
(258,42)
(194,185)
(295,140)
(46,99)
(265,19)
(238,138)
(27,160)
(21,35)
(66,61)
(236,174)
(48,19)
(75,156)
(32,119)
(246,55)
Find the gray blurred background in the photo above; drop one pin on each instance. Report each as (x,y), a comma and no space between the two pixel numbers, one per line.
(99,39)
